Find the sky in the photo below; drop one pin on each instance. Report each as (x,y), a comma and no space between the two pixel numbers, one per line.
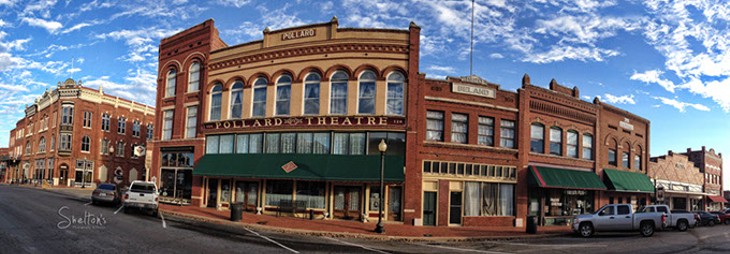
(667,61)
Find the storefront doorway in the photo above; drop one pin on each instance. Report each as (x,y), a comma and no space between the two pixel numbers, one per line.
(347,202)
(429,208)
(394,203)
(247,193)
(455,207)
(212,192)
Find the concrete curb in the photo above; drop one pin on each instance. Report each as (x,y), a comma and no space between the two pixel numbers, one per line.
(187,218)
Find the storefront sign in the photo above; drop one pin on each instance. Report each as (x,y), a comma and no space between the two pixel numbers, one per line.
(298,34)
(307,121)
(481,91)
(626,125)
(289,167)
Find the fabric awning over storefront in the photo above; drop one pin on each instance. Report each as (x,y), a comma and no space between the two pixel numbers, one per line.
(718,199)
(628,181)
(548,177)
(307,166)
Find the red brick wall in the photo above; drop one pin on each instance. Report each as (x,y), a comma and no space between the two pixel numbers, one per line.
(489,221)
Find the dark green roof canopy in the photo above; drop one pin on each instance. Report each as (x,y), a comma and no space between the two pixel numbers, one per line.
(309,166)
(620,180)
(548,177)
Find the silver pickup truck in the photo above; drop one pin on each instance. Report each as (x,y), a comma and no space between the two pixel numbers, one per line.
(675,219)
(616,218)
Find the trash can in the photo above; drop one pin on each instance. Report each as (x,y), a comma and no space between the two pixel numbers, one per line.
(531,227)
(236,211)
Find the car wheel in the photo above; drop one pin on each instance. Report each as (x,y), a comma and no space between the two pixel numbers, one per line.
(126,210)
(155,213)
(711,223)
(727,221)
(682,225)
(585,229)
(647,229)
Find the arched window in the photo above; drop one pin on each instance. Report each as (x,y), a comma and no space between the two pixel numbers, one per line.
(237,100)
(637,158)
(625,160)
(85,144)
(366,94)
(170,85)
(259,97)
(587,146)
(338,93)
(572,144)
(215,102)
(53,142)
(42,145)
(537,138)
(556,141)
(27,147)
(194,77)
(396,93)
(311,94)
(283,95)
(612,146)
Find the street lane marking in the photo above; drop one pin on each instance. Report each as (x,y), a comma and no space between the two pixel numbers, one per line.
(356,245)
(559,245)
(269,239)
(163,220)
(89,203)
(120,208)
(464,250)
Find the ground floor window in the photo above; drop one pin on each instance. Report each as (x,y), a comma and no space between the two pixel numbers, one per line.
(488,199)
(313,193)
(276,190)
(176,184)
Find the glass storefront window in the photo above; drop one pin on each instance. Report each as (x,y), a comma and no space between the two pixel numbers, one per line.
(255,143)
(242,144)
(488,199)
(374,197)
(277,190)
(569,202)
(226,145)
(312,192)
(225,191)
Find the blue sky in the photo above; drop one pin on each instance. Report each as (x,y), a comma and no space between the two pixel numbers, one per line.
(667,61)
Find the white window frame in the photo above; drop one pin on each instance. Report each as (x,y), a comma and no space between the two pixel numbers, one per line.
(261,84)
(194,77)
(311,82)
(236,88)
(282,84)
(190,131)
(168,116)
(360,97)
(170,83)
(217,90)
(402,82)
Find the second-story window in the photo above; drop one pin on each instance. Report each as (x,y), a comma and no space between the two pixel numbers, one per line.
(625,159)
(311,94)
(150,130)
(237,100)
(338,93)
(67,115)
(194,77)
(85,144)
(587,147)
(122,125)
(366,95)
(612,157)
(396,94)
(434,126)
(120,149)
(170,84)
(191,122)
(105,121)
(167,125)
(259,97)
(65,143)
(27,147)
(283,95)
(53,142)
(637,161)
(104,147)
(572,144)
(507,133)
(216,96)
(87,119)
(136,128)
(459,128)
(42,145)
(556,141)
(486,131)
(537,138)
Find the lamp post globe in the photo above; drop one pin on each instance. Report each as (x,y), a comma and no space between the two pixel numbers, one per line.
(382,147)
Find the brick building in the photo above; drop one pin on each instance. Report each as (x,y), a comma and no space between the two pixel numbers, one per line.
(678,181)
(710,164)
(78,136)
(5,160)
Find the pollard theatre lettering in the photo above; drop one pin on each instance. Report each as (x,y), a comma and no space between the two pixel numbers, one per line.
(298,34)
(308,121)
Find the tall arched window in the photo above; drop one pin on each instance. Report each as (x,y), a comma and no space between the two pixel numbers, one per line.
(194,77)
(53,142)
(170,85)
(587,147)
(572,144)
(366,94)
(625,160)
(537,138)
(283,95)
(637,158)
(259,97)
(42,145)
(311,94)
(215,101)
(556,141)
(338,93)
(396,93)
(237,100)
(85,144)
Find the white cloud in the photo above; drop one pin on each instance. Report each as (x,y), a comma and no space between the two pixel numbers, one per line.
(653,76)
(613,99)
(73,70)
(446,69)
(76,27)
(561,53)
(234,3)
(14,88)
(14,45)
(42,8)
(496,56)
(50,26)
(682,105)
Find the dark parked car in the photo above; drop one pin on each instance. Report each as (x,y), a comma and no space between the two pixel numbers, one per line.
(724,217)
(707,219)
(106,193)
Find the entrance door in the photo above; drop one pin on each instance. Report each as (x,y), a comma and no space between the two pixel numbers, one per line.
(347,202)
(394,201)
(247,192)
(429,208)
(212,192)
(455,208)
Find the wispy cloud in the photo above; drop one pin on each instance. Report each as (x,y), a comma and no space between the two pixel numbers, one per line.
(654,76)
(682,105)
(614,99)
(50,26)
(445,69)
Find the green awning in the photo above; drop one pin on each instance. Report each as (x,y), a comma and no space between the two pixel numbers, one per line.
(620,180)
(547,177)
(308,166)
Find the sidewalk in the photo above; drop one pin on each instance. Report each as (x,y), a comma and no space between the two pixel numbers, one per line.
(341,228)
(73,191)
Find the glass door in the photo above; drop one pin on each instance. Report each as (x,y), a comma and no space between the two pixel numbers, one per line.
(212,192)
(347,202)
(394,203)
(429,208)
(455,208)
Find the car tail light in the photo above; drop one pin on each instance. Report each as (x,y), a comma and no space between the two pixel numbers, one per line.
(126,196)
(664,219)
(155,199)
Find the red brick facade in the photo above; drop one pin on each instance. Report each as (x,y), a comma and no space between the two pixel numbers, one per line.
(710,164)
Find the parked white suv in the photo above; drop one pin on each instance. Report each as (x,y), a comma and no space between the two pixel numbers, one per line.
(141,195)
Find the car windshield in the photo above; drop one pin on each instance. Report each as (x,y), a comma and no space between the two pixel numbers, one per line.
(107,187)
(144,188)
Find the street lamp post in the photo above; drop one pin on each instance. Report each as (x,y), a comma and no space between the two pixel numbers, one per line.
(382,147)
